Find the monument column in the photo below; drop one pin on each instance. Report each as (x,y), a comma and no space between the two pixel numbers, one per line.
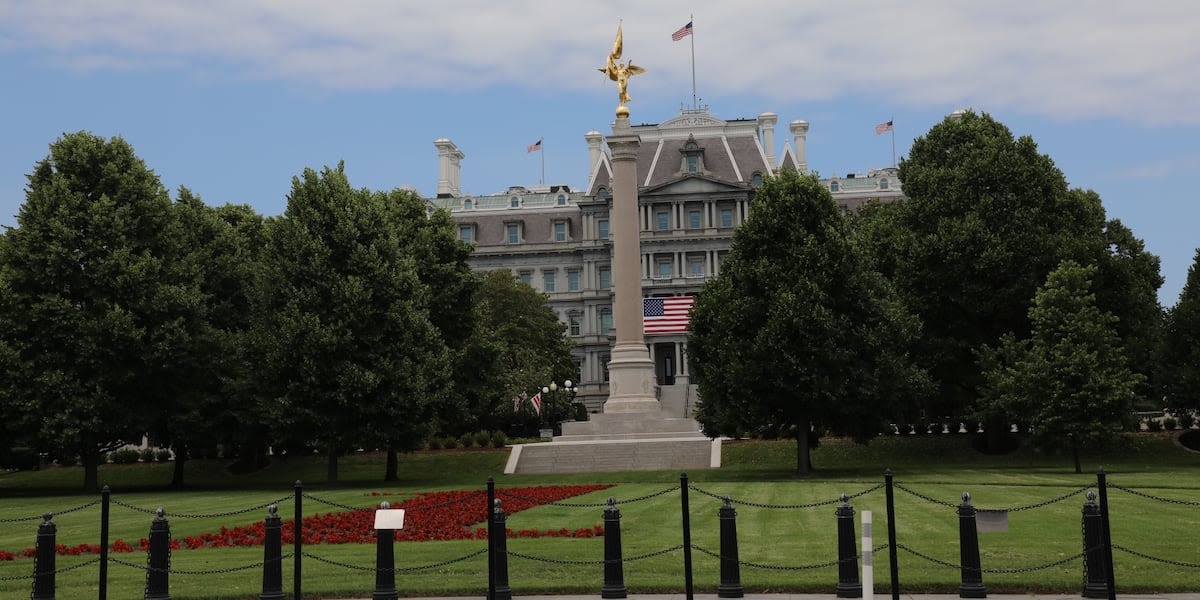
(631,371)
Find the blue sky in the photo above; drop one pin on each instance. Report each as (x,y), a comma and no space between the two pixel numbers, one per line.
(233,98)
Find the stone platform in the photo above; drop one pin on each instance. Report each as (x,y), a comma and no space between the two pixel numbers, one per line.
(645,441)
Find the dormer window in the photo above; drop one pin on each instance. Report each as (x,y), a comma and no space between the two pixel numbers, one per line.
(562,200)
(602,193)
(756,180)
(693,156)
(514,202)
(467,205)
(833,186)
(883,183)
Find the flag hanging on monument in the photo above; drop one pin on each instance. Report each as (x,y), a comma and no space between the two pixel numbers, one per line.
(666,315)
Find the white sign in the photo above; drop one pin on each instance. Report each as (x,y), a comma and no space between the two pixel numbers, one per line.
(389,518)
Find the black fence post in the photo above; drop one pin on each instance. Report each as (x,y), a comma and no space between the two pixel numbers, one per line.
(43,563)
(1095,579)
(158,562)
(105,500)
(687,535)
(297,538)
(272,579)
(891,517)
(491,535)
(731,571)
(385,562)
(614,567)
(968,552)
(1102,484)
(848,585)
(500,544)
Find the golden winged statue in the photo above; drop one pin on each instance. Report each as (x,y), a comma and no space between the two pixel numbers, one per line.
(620,72)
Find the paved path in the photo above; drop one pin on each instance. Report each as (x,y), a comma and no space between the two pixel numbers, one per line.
(596,596)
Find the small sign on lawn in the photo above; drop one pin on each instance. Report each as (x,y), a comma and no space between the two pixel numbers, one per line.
(389,518)
(991,520)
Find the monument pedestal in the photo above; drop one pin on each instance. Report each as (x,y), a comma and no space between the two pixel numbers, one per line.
(631,381)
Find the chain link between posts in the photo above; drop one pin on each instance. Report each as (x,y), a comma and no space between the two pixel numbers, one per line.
(443,563)
(1165,561)
(585,504)
(1020,508)
(786,567)
(54,513)
(1153,497)
(951,565)
(787,506)
(56,571)
(600,561)
(215,515)
(175,571)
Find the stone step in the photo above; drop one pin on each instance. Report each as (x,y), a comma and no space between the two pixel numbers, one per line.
(645,454)
(631,436)
(610,424)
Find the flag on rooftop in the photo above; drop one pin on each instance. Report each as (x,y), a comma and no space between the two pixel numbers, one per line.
(883,128)
(534,147)
(666,314)
(682,32)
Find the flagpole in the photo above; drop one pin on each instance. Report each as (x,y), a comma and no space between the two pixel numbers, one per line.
(542,181)
(692,22)
(893,122)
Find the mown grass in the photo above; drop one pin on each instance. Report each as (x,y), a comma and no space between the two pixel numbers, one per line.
(931,472)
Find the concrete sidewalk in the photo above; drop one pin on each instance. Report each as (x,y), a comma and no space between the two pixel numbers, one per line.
(596,596)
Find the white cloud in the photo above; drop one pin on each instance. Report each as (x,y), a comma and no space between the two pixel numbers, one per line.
(1061,60)
(1161,169)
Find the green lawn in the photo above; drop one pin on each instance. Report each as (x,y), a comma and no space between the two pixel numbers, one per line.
(931,472)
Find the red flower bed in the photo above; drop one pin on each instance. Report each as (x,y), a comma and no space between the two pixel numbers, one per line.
(428,517)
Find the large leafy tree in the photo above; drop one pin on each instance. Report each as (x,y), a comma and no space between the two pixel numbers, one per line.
(92,305)
(1181,350)
(1070,378)
(987,219)
(349,355)
(519,346)
(797,330)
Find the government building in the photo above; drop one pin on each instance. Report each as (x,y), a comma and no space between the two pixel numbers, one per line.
(697,174)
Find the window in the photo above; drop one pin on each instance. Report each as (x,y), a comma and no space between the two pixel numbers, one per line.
(602,229)
(693,164)
(467,204)
(573,323)
(604,274)
(695,266)
(883,184)
(561,200)
(662,268)
(512,233)
(602,193)
(466,233)
(662,220)
(573,280)
(548,281)
(756,180)
(833,186)
(604,360)
(606,321)
(726,217)
(560,231)
(514,202)
(526,276)
(694,218)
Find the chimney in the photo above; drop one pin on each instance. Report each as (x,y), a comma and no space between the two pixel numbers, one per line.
(799,129)
(766,124)
(594,140)
(449,158)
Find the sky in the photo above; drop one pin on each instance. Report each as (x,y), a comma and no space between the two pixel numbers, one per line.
(234,98)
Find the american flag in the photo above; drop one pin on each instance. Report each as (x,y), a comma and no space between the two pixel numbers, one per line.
(682,32)
(666,315)
(883,128)
(534,147)
(536,400)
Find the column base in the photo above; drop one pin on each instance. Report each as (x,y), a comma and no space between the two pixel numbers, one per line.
(631,381)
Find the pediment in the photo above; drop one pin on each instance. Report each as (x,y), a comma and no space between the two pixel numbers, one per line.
(691,185)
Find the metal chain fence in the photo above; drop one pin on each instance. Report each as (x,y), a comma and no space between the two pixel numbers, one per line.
(585,504)
(945,563)
(55,513)
(1020,508)
(56,571)
(762,566)
(601,561)
(337,563)
(1152,497)
(214,515)
(174,571)
(1164,561)
(787,506)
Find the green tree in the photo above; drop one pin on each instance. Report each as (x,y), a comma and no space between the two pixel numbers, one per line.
(1070,378)
(797,331)
(1181,348)
(90,306)
(519,346)
(350,357)
(987,219)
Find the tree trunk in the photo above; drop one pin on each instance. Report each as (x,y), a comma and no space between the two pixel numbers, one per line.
(994,430)
(1075,455)
(91,468)
(803,457)
(331,467)
(177,470)
(392,471)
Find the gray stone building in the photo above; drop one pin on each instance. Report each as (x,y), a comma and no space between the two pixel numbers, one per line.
(697,174)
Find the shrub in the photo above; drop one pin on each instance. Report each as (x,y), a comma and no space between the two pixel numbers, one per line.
(1153,425)
(124,456)
(483,439)
(499,440)
(450,442)
(163,455)
(1169,423)
(1187,419)
(434,443)
(146,455)
(466,440)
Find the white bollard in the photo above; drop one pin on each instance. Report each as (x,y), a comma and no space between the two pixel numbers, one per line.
(868,570)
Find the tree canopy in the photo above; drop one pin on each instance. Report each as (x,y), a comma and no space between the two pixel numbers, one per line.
(1069,379)
(1181,348)
(797,330)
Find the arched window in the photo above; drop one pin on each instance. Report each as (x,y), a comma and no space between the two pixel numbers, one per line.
(883,183)
(514,202)
(562,200)
(833,186)
(467,205)
(602,193)
(756,180)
